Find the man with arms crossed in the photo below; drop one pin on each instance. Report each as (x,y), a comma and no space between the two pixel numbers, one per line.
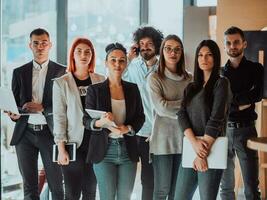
(147,44)
(32,88)
(246,79)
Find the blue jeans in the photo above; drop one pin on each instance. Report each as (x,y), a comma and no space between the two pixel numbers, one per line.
(248,160)
(188,180)
(115,174)
(165,174)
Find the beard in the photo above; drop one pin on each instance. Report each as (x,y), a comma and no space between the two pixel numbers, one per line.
(147,54)
(235,54)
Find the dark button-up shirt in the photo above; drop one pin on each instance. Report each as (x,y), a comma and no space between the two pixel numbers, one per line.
(247,85)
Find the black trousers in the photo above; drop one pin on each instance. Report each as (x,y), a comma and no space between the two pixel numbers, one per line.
(27,151)
(147,177)
(79,176)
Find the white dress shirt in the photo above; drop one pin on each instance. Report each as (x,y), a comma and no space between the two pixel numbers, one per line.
(38,82)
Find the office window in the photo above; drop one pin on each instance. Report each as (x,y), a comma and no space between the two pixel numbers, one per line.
(205,3)
(19,18)
(167,16)
(103,22)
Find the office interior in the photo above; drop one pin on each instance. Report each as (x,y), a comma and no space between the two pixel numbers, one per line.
(105,21)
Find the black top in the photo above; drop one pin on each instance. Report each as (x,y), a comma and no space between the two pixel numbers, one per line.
(247,86)
(204,119)
(82,87)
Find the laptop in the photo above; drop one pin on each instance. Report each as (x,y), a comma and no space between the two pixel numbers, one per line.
(8,103)
(217,158)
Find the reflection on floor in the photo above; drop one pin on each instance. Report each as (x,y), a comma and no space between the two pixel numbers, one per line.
(17,194)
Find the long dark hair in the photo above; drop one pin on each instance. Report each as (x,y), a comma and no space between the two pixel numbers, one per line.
(180,66)
(197,85)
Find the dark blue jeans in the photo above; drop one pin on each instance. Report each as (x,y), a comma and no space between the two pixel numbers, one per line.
(248,160)
(116,173)
(147,178)
(165,174)
(188,180)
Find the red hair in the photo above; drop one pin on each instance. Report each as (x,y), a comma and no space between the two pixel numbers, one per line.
(71,66)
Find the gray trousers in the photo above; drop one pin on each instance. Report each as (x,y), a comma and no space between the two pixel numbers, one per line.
(248,160)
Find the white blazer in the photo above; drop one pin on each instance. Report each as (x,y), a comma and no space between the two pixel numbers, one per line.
(68,109)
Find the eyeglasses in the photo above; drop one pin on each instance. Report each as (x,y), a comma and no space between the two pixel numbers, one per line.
(176,50)
(42,43)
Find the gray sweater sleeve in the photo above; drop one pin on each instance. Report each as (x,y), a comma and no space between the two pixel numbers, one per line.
(162,106)
(183,118)
(215,124)
(189,116)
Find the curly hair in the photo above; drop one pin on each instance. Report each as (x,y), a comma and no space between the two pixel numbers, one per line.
(150,32)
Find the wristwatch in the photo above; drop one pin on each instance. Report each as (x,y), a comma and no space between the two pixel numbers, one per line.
(131,131)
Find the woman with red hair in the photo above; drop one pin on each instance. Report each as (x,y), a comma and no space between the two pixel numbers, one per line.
(69,92)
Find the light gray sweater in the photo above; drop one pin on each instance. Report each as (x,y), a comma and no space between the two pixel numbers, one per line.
(166,95)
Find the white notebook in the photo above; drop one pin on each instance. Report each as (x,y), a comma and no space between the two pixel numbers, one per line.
(217,158)
(97,114)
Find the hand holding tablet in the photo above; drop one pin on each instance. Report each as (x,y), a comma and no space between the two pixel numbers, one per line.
(97,114)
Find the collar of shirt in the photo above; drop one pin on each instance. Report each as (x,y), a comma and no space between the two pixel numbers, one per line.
(148,69)
(242,62)
(172,76)
(38,66)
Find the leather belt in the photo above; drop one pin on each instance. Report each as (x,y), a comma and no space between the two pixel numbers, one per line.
(116,140)
(240,124)
(37,127)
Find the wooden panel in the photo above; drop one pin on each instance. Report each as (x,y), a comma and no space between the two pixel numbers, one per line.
(263,156)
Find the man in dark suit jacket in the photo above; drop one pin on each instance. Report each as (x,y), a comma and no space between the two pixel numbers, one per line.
(32,88)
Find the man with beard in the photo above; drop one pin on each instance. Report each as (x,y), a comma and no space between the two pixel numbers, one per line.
(32,87)
(147,44)
(246,78)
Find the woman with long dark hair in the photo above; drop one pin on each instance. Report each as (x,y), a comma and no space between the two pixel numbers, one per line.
(202,119)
